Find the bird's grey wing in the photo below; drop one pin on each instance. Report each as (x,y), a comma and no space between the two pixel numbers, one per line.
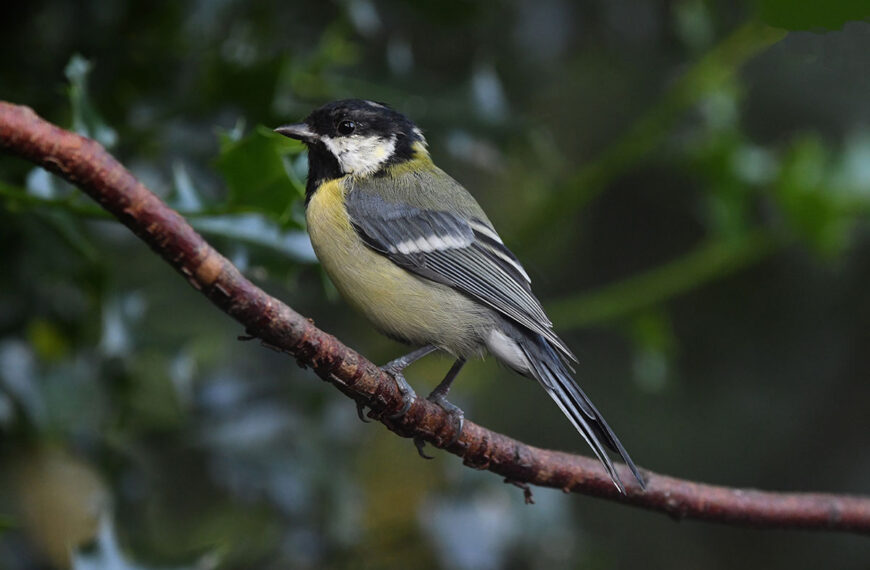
(465,254)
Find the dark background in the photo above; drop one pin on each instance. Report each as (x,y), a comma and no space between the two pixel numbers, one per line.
(687,183)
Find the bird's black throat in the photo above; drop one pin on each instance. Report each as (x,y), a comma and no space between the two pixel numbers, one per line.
(322,167)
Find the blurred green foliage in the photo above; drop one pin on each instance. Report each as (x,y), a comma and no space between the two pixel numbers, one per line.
(809,15)
(257,176)
(687,183)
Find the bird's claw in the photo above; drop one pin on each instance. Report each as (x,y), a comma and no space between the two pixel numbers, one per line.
(455,412)
(408,394)
(420,444)
(361,412)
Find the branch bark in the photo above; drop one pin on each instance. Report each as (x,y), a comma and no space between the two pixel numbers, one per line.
(86,164)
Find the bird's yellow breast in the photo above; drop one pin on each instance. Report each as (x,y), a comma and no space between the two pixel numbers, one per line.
(397,302)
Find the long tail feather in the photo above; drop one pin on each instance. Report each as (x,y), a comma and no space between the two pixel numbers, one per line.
(554,375)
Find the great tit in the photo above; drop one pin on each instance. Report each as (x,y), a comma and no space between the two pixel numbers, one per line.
(410,248)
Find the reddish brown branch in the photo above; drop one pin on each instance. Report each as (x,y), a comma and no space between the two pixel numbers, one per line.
(86,164)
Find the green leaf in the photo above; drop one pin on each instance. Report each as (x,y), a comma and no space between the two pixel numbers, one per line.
(259,175)
(47,340)
(812,14)
(806,197)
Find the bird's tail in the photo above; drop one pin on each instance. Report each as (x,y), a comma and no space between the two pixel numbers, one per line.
(557,378)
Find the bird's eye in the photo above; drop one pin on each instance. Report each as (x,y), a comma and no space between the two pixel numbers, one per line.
(346,127)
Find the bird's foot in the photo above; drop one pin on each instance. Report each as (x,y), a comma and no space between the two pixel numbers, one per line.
(420,444)
(361,412)
(456,415)
(408,394)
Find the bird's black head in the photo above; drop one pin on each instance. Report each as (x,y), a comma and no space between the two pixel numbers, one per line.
(354,136)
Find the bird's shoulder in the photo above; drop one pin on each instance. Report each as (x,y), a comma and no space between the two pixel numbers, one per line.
(418,184)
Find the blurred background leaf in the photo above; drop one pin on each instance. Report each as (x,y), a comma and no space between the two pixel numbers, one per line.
(256,175)
(809,15)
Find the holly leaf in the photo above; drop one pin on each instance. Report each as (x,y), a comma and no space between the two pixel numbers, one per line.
(259,174)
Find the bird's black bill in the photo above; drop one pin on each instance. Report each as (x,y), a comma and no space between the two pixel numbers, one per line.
(298,131)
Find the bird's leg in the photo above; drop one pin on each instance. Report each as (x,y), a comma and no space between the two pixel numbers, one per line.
(395,367)
(439,396)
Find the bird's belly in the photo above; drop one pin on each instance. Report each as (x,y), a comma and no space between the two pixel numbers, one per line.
(398,303)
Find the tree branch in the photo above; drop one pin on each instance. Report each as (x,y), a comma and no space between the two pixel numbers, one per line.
(86,164)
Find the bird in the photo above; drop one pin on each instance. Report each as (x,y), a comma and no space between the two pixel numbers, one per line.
(412,250)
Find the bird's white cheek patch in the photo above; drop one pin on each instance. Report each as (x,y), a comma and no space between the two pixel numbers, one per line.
(360,155)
